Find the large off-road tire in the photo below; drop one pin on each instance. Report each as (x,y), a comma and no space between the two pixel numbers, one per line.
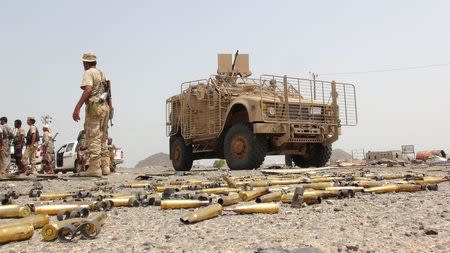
(181,154)
(242,149)
(320,155)
(300,161)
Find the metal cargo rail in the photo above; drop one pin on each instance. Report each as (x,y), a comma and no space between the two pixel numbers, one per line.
(310,101)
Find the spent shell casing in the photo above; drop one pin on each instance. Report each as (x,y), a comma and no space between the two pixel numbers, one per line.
(203,213)
(269,208)
(16,233)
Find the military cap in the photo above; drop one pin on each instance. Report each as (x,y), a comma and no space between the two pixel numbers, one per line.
(89,57)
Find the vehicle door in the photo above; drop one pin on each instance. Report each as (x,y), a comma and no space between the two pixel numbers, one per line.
(60,156)
(69,156)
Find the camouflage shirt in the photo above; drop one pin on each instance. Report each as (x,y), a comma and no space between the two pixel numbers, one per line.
(6,133)
(94,77)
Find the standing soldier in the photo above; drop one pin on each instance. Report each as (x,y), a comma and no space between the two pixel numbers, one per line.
(5,148)
(48,159)
(32,142)
(95,96)
(19,142)
(112,154)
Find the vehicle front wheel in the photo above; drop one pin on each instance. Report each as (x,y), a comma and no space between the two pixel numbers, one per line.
(242,149)
(181,154)
(321,155)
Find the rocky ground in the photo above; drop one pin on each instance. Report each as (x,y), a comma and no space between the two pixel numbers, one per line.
(395,222)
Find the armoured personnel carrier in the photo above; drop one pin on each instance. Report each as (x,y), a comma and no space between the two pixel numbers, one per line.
(241,119)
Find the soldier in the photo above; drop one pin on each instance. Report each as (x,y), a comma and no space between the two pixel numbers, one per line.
(112,154)
(5,142)
(31,143)
(19,142)
(94,85)
(48,159)
(81,150)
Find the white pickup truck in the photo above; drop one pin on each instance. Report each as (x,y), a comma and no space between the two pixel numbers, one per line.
(66,158)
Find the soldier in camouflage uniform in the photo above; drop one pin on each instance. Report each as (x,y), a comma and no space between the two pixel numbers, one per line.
(112,154)
(97,115)
(48,159)
(5,145)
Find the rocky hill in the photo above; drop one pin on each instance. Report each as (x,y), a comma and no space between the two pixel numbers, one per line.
(159,159)
(339,155)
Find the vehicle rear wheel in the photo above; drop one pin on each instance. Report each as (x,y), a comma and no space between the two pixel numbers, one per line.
(181,154)
(242,149)
(300,161)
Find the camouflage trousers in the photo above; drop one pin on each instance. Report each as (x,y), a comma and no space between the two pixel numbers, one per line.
(5,158)
(29,159)
(96,129)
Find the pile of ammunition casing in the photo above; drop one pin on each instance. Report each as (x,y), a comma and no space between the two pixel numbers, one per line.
(209,199)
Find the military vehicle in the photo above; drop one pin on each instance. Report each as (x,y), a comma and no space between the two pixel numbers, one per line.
(241,119)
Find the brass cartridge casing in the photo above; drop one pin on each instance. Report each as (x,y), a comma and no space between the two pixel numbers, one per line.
(122,201)
(253,194)
(201,214)
(318,186)
(14,211)
(434,180)
(408,187)
(183,187)
(121,195)
(259,183)
(53,196)
(269,208)
(367,184)
(361,179)
(38,221)
(54,209)
(176,182)
(50,231)
(230,182)
(140,185)
(287,181)
(231,199)
(99,217)
(271,197)
(326,194)
(340,188)
(382,189)
(309,197)
(194,182)
(177,204)
(391,176)
(222,190)
(16,233)
(324,179)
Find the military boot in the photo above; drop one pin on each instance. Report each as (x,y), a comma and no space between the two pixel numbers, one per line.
(93,170)
(105,166)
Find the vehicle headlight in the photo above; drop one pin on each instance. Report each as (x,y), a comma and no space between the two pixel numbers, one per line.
(316,110)
(271,111)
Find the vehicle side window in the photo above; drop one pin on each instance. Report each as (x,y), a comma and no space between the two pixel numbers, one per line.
(61,150)
(69,147)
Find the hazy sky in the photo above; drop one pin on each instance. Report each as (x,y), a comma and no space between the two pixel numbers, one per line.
(147,48)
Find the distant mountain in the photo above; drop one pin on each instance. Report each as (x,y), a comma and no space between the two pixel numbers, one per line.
(159,159)
(339,155)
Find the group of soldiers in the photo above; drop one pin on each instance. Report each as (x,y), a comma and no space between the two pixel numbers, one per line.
(97,146)
(25,160)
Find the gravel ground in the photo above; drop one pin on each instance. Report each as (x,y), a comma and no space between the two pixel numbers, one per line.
(394,222)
